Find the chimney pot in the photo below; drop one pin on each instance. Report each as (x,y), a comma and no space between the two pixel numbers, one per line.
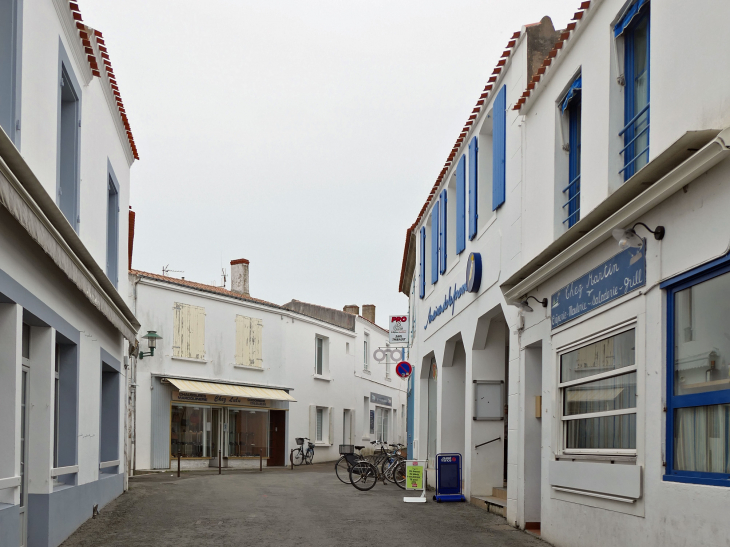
(352,308)
(368,312)
(239,276)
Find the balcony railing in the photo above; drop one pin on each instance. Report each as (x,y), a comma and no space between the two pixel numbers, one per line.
(629,163)
(572,188)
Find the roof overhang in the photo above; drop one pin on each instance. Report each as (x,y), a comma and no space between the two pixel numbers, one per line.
(691,155)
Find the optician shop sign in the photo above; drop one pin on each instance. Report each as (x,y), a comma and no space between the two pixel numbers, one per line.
(398,329)
(619,275)
(202,398)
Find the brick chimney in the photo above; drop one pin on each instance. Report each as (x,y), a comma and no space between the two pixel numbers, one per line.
(352,308)
(368,312)
(239,276)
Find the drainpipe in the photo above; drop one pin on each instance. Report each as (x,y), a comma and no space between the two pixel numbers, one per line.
(133,387)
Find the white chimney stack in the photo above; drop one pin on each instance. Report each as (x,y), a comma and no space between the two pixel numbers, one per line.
(239,276)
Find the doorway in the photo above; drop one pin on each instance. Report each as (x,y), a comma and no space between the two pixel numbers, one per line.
(216,434)
(533,435)
(432,406)
(24,430)
(277,438)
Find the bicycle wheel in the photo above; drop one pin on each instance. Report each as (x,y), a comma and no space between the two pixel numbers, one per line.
(342,470)
(363,475)
(309,456)
(399,474)
(297,456)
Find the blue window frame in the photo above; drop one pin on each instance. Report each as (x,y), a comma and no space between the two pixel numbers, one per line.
(698,375)
(69,141)
(442,233)
(10,67)
(473,190)
(461,205)
(634,27)
(422,264)
(112,227)
(572,190)
(435,239)
(499,148)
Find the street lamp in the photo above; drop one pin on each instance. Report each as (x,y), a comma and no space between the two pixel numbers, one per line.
(629,238)
(151,338)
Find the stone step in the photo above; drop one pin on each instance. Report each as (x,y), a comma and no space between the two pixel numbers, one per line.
(491,500)
(500,493)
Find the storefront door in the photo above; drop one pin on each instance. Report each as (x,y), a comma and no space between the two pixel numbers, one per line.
(277,437)
(215,432)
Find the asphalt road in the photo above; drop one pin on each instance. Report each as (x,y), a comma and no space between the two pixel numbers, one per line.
(307,506)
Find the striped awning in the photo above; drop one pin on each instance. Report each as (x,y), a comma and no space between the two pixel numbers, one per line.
(230,390)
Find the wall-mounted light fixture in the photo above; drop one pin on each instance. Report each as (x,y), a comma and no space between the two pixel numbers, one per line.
(629,238)
(152,337)
(524,306)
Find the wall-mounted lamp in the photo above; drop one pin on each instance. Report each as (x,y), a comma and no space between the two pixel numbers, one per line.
(152,337)
(629,238)
(524,306)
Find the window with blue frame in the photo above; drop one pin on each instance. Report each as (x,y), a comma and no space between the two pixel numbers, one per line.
(572,104)
(698,375)
(634,28)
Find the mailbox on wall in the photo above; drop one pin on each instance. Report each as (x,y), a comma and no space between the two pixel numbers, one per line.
(488,400)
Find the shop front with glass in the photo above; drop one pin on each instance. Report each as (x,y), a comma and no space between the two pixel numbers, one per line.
(200,429)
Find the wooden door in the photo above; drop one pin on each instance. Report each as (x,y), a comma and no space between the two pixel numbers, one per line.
(277,436)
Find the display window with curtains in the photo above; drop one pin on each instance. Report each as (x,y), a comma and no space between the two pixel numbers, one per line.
(698,375)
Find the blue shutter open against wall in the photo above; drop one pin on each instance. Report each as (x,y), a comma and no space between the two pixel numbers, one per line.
(422,265)
(435,243)
(499,152)
(461,205)
(443,225)
(473,190)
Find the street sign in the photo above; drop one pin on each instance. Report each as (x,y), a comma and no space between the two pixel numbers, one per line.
(398,329)
(403,369)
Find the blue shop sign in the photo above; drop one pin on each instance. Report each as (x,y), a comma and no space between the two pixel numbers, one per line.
(619,275)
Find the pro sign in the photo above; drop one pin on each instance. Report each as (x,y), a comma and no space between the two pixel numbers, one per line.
(398,329)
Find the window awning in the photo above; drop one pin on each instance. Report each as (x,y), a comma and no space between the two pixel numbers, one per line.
(625,21)
(575,87)
(230,390)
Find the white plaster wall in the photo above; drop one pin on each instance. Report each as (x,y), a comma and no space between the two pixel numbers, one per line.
(288,361)
(100,140)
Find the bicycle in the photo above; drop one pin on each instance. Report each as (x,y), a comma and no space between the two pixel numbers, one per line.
(299,455)
(364,474)
(347,459)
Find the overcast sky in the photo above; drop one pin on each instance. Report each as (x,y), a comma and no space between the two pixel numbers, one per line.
(301,135)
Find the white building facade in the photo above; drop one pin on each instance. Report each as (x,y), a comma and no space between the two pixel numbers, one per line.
(245,377)
(616,369)
(65,156)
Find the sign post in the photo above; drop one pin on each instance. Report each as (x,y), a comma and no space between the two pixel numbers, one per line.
(416,480)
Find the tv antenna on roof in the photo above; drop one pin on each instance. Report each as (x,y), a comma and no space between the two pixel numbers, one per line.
(166,270)
(224,274)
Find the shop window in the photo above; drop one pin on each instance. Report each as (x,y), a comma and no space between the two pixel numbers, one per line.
(248,432)
(698,376)
(189,332)
(190,432)
(598,391)
(633,28)
(249,335)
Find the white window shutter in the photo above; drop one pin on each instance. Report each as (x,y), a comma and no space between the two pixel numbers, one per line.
(257,329)
(312,423)
(331,437)
(178,331)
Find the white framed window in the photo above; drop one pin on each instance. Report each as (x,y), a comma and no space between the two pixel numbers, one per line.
(382,419)
(598,390)
(320,425)
(320,356)
(366,353)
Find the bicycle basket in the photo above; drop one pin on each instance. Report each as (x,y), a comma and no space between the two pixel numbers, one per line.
(347,449)
(311,445)
(299,440)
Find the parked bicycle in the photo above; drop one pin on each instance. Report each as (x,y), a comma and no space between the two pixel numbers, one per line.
(299,455)
(391,468)
(347,459)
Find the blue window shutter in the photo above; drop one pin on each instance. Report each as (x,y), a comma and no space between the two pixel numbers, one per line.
(473,190)
(461,205)
(499,141)
(435,243)
(422,265)
(443,225)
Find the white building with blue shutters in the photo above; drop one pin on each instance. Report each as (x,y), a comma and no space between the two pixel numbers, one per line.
(603,268)
(65,155)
